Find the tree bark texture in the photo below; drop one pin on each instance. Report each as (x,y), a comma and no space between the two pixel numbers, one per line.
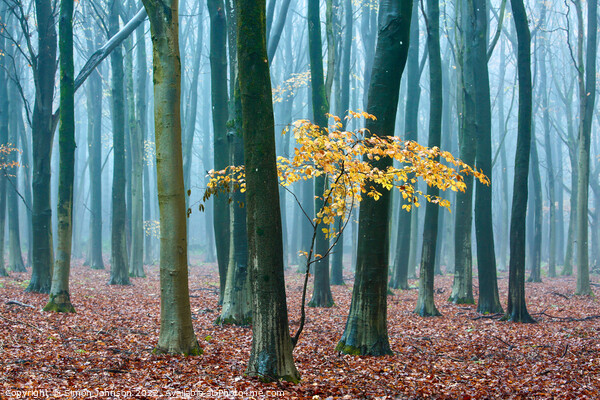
(176,329)
(425,302)
(517,308)
(321,296)
(489,299)
(271,354)
(59,293)
(366,327)
(219,96)
(119,270)
(42,135)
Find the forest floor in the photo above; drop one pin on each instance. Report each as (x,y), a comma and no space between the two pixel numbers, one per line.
(105,349)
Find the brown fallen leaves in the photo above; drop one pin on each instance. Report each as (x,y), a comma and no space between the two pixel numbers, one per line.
(105,349)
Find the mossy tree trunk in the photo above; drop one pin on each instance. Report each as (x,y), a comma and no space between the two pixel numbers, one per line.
(366,327)
(176,329)
(517,308)
(425,302)
(271,356)
(42,135)
(219,96)
(321,296)
(59,293)
(489,299)
(119,270)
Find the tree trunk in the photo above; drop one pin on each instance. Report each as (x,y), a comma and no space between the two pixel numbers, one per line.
(462,288)
(4,118)
(571,230)
(59,293)
(15,259)
(119,269)
(425,302)
(94,131)
(366,327)
(489,299)
(218,74)
(43,134)
(237,299)
(587,97)
(413,92)
(137,130)
(536,249)
(176,329)
(551,173)
(320,105)
(271,355)
(337,263)
(517,309)
(190,128)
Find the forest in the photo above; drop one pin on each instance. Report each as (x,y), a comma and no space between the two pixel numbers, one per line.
(320,199)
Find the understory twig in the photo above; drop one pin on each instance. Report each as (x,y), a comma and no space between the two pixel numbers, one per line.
(18,303)
(570,319)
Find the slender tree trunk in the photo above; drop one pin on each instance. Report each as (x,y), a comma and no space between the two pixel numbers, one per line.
(536,249)
(413,92)
(517,309)
(140,165)
(271,355)
(137,126)
(119,268)
(275,34)
(218,73)
(569,253)
(337,265)
(190,128)
(59,293)
(462,288)
(237,299)
(4,118)
(560,226)
(489,299)
(94,131)
(425,302)
(321,290)
(551,173)
(366,327)
(43,134)
(176,329)
(587,97)
(337,260)
(15,259)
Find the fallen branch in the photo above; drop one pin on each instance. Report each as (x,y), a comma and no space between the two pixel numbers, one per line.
(565,352)
(571,319)
(18,303)
(562,295)
(488,316)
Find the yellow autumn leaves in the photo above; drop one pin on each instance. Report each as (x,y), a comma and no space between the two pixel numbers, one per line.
(351,164)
